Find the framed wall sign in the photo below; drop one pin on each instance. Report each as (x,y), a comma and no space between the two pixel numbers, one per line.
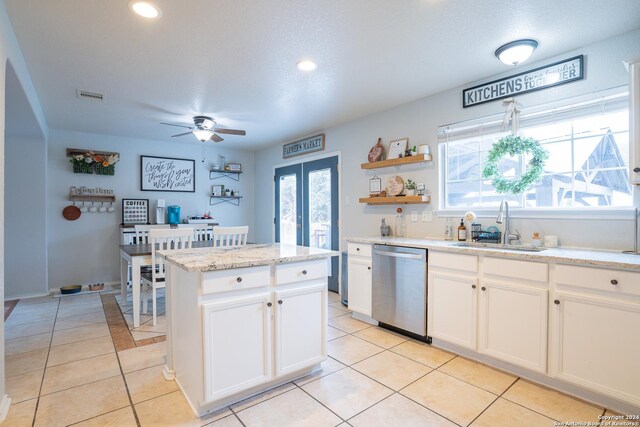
(555,74)
(167,174)
(135,211)
(304,146)
(375,185)
(397,148)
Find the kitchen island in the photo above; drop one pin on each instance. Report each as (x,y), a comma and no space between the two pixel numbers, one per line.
(244,320)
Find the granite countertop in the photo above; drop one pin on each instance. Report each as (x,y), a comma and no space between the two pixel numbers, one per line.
(210,259)
(595,258)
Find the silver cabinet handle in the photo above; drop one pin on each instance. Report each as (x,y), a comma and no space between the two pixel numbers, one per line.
(398,255)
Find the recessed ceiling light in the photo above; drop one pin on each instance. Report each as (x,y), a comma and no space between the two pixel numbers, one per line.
(145,9)
(306,65)
(516,51)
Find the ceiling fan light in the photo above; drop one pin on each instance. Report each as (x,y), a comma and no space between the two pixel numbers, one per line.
(203,134)
(306,65)
(517,51)
(145,9)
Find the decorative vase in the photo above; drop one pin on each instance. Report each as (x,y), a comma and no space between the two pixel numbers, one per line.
(410,191)
(385,229)
(105,170)
(82,167)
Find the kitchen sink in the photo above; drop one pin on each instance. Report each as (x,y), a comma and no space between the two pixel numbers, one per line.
(500,246)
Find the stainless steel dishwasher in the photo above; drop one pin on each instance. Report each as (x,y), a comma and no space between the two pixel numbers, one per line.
(400,289)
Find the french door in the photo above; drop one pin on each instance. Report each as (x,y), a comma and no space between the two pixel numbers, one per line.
(306,201)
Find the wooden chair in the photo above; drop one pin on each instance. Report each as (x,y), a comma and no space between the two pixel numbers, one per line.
(162,239)
(230,236)
(142,232)
(201,232)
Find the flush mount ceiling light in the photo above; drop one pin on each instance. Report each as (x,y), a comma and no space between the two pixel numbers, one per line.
(306,65)
(516,51)
(145,9)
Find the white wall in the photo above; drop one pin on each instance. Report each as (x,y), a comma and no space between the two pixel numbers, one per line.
(25,221)
(10,52)
(86,250)
(419,120)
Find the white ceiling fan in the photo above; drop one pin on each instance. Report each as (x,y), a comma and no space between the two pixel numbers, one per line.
(204,128)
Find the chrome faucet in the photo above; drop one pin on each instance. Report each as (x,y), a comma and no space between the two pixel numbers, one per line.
(503,216)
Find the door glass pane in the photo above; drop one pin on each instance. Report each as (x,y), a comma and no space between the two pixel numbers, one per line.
(320,208)
(287,214)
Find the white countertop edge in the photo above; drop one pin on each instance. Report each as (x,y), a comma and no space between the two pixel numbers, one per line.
(585,257)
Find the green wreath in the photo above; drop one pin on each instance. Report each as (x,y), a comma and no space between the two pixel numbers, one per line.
(513,145)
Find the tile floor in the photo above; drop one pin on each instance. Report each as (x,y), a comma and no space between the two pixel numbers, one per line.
(63,368)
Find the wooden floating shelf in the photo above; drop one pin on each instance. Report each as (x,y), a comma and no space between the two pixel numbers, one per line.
(401,200)
(76,151)
(420,158)
(92,198)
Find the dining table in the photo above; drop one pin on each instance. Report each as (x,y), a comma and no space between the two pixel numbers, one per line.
(135,257)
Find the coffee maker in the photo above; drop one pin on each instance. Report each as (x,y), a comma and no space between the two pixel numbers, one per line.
(160,207)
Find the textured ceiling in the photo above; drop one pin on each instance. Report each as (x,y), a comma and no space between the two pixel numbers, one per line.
(235,59)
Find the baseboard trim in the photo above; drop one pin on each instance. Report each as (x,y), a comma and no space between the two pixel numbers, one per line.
(26,296)
(4,407)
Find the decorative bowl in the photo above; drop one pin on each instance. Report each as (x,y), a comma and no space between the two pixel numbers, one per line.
(96,286)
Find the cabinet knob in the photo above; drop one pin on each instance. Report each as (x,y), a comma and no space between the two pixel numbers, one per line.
(280,301)
(369,268)
(483,288)
(304,272)
(239,279)
(636,170)
(269,304)
(614,282)
(358,249)
(473,286)
(556,302)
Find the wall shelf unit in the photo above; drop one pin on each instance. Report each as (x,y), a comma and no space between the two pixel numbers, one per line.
(420,158)
(234,175)
(234,200)
(92,198)
(399,200)
(76,151)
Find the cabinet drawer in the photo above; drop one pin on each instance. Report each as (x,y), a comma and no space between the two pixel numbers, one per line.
(359,249)
(467,263)
(234,280)
(301,271)
(599,279)
(523,271)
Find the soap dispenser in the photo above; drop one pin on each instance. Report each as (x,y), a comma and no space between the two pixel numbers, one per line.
(385,230)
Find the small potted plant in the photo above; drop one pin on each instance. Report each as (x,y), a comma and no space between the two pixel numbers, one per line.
(410,187)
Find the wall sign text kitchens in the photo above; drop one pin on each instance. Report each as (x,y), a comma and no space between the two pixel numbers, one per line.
(304,146)
(554,74)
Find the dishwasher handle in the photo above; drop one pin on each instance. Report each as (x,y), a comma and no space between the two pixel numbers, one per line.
(398,255)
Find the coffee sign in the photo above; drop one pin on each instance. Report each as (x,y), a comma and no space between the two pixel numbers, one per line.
(551,75)
(304,146)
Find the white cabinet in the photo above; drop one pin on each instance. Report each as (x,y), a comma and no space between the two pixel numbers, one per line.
(245,322)
(452,308)
(513,323)
(360,278)
(452,302)
(300,328)
(596,330)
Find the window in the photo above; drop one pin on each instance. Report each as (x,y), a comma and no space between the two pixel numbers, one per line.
(588,165)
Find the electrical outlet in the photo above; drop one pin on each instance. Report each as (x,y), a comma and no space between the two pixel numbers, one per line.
(414,216)
(427,216)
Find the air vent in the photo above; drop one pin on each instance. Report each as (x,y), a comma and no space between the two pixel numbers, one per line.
(83,94)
